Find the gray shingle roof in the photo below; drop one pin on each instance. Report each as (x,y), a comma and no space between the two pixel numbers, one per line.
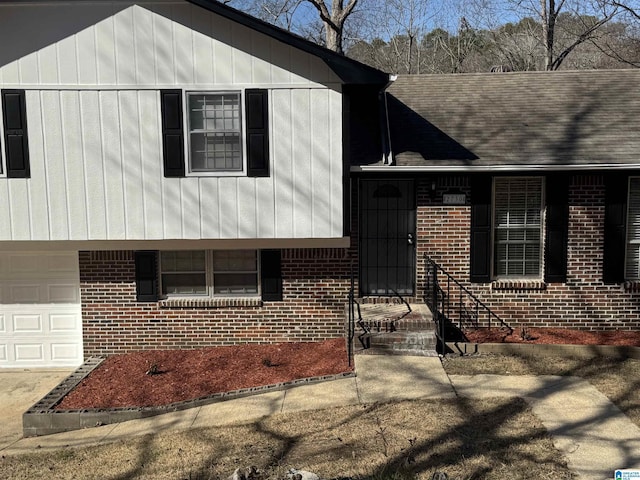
(516,120)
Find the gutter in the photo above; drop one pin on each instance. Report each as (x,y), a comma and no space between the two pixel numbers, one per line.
(492,168)
(385,127)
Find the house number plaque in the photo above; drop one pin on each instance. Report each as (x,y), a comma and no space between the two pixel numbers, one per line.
(454,199)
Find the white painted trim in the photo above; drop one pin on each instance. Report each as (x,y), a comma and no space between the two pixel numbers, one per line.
(173,86)
(493,168)
(3,156)
(186,120)
(208,244)
(21,3)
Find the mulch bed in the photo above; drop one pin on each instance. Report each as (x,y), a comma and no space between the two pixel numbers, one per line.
(161,377)
(554,336)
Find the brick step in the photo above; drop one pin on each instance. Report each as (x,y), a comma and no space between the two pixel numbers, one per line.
(396,329)
(383,318)
(406,324)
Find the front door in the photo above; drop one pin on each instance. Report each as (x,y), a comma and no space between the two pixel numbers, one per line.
(387,237)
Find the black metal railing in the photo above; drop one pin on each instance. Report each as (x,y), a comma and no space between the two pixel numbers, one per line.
(453,305)
(355,318)
(351,327)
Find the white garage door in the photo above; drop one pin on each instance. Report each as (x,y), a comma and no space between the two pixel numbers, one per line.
(40,313)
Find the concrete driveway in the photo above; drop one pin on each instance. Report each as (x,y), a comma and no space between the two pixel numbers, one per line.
(19,390)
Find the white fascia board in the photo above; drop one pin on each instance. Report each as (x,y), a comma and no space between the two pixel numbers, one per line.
(493,168)
(205,244)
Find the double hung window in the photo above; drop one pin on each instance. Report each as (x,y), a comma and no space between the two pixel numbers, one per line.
(201,273)
(517,227)
(227,133)
(632,264)
(215,132)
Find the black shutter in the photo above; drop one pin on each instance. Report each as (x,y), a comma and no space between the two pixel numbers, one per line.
(14,115)
(172,133)
(615,228)
(557,228)
(271,275)
(480,262)
(146,276)
(257,113)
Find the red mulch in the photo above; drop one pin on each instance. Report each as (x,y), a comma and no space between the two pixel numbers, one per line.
(122,380)
(554,336)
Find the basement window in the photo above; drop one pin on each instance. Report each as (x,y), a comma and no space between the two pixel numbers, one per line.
(209,273)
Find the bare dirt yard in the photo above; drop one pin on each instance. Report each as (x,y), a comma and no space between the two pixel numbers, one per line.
(490,439)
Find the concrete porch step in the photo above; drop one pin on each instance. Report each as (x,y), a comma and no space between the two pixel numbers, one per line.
(399,342)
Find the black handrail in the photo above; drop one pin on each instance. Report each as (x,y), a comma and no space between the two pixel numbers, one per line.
(351,327)
(441,300)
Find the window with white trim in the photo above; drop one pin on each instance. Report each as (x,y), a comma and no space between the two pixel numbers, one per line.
(517,227)
(212,273)
(215,131)
(632,264)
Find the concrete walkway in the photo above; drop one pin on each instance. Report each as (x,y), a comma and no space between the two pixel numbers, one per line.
(590,431)
(19,389)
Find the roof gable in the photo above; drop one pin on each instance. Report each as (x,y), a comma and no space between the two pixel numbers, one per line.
(349,70)
(161,43)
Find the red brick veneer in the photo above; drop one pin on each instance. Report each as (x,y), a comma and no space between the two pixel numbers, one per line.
(315,287)
(583,302)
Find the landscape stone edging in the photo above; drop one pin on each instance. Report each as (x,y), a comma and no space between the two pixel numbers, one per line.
(550,350)
(43,419)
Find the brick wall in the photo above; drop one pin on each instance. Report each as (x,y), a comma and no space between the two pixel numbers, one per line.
(315,287)
(582,302)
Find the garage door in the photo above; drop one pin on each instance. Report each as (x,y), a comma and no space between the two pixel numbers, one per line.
(40,313)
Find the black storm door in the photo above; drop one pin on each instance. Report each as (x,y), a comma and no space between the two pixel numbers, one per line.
(387,237)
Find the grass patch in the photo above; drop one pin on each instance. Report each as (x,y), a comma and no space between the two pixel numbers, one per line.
(618,379)
(479,439)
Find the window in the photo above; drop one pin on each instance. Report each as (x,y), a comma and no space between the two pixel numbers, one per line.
(184,273)
(517,226)
(215,132)
(632,264)
(222,138)
(209,273)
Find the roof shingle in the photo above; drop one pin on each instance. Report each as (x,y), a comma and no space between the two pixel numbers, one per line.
(516,120)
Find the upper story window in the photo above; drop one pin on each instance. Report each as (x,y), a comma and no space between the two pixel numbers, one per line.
(215,132)
(517,226)
(227,133)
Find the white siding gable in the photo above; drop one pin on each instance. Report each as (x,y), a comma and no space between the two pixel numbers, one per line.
(159,44)
(94,131)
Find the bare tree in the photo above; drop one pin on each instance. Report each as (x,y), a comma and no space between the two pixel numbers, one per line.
(279,12)
(459,48)
(405,22)
(590,16)
(516,46)
(334,20)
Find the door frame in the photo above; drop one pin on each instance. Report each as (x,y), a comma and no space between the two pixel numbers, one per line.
(413,231)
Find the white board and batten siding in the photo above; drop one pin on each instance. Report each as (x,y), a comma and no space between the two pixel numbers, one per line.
(40,317)
(93,112)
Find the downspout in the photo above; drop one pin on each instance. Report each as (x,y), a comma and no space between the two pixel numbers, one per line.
(385,129)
